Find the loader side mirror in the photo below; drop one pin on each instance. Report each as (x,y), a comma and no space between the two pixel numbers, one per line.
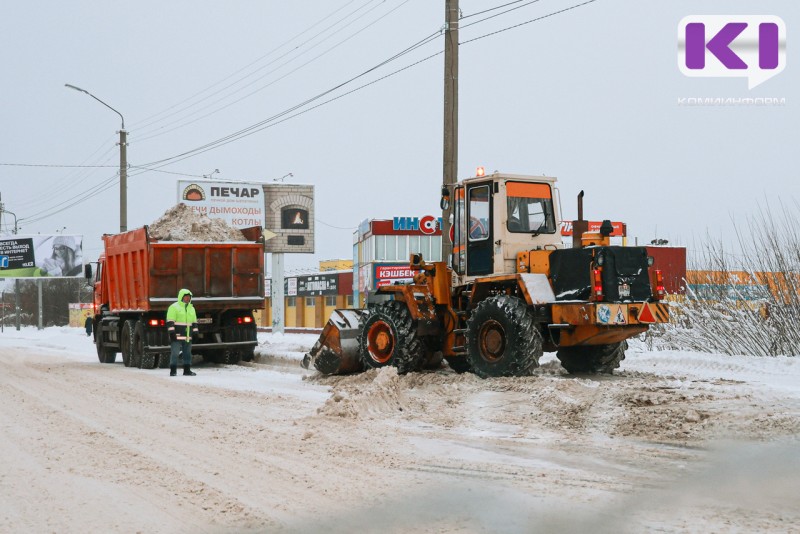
(444,203)
(87,271)
(416,260)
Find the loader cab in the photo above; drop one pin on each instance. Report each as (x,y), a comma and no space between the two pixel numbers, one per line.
(497,216)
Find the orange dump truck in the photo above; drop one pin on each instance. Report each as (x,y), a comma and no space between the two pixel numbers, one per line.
(138,277)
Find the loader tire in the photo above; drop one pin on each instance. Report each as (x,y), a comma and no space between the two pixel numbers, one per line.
(502,338)
(387,337)
(459,364)
(592,359)
(126,342)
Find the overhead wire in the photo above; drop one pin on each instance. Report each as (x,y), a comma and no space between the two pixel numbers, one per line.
(529,2)
(256,127)
(272,121)
(160,131)
(257,60)
(491,9)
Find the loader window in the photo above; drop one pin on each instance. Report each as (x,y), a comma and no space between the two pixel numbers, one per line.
(530,208)
(459,230)
(478,213)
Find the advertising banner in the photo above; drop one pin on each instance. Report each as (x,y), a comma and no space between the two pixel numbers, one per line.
(41,255)
(240,204)
(318,285)
(594,227)
(386,274)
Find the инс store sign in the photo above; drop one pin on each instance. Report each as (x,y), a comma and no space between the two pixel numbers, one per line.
(289,213)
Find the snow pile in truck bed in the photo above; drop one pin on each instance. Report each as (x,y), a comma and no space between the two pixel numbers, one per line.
(182,223)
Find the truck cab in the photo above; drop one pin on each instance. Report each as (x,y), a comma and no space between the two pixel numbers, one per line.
(497,217)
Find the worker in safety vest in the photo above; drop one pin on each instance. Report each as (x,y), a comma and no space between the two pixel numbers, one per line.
(182,327)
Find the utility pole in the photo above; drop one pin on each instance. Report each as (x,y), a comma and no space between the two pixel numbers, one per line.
(450,168)
(123,179)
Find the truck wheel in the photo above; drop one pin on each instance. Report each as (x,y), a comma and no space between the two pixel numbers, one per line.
(126,342)
(104,354)
(387,337)
(594,359)
(232,357)
(146,360)
(163,360)
(248,355)
(502,339)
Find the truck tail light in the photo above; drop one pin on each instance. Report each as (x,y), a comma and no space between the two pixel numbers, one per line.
(244,320)
(597,284)
(660,293)
(156,322)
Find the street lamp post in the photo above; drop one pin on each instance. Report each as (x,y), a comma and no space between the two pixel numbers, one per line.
(16,282)
(123,163)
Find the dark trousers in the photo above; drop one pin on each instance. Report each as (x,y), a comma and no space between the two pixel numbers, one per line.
(184,348)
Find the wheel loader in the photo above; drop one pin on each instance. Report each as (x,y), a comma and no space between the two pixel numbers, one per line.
(510,291)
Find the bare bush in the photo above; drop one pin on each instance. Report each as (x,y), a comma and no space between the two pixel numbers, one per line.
(757,316)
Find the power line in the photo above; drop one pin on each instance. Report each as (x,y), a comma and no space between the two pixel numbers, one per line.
(491,9)
(529,21)
(258,126)
(59,166)
(499,14)
(157,132)
(257,60)
(272,121)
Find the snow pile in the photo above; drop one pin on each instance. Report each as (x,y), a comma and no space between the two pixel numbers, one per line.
(182,223)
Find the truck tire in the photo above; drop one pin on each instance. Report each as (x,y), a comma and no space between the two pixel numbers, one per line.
(232,357)
(104,354)
(126,342)
(163,360)
(387,337)
(248,355)
(502,338)
(592,359)
(146,360)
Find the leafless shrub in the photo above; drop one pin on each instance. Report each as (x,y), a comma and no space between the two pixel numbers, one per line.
(757,316)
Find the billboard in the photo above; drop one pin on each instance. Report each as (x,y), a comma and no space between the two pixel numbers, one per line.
(240,204)
(289,214)
(41,255)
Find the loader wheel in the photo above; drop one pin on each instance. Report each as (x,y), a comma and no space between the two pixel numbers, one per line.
(126,342)
(502,339)
(104,354)
(459,364)
(594,359)
(387,337)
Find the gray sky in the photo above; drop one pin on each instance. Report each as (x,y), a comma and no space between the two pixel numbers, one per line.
(590,96)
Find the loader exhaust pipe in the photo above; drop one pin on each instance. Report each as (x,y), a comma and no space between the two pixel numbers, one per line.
(579,226)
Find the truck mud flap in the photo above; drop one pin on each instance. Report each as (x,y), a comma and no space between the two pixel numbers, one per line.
(336,350)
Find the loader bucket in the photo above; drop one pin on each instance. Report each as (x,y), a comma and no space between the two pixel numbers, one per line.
(336,350)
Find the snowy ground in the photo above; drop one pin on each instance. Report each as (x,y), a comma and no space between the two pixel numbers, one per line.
(674,442)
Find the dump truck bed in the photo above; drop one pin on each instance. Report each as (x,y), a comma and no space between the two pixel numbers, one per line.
(146,275)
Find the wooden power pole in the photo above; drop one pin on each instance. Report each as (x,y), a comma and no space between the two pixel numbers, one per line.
(450,168)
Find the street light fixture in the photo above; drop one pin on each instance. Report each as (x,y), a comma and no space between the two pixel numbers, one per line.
(123,163)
